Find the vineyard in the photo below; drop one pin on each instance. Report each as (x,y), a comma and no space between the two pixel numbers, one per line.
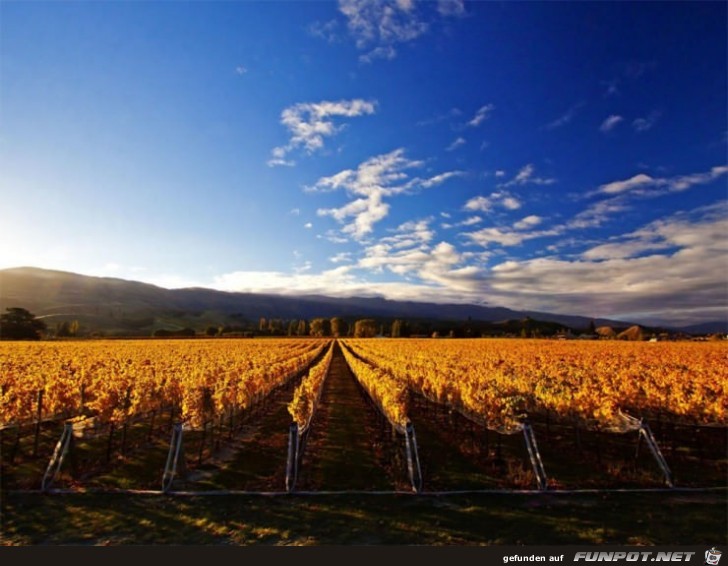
(437,416)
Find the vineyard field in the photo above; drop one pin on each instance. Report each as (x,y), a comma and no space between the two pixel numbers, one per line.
(469,401)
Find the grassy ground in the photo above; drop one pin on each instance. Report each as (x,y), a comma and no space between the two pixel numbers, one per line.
(620,518)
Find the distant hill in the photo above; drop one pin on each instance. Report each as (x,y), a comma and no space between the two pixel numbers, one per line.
(120,307)
(714,327)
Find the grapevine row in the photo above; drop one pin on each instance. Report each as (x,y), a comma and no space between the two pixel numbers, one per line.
(591,383)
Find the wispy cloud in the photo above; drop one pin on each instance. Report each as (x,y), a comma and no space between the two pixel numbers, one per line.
(328,31)
(240,70)
(671,269)
(621,193)
(565,118)
(643,184)
(378,26)
(597,213)
(411,233)
(309,123)
(440,178)
(469,221)
(610,123)
(449,115)
(509,237)
(528,222)
(612,87)
(342,257)
(616,187)
(456,143)
(451,8)
(526,177)
(481,115)
(644,124)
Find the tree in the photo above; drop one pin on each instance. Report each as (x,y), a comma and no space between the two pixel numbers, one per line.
(67,329)
(19,324)
(320,327)
(365,328)
(339,327)
(292,327)
(302,328)
(400,329)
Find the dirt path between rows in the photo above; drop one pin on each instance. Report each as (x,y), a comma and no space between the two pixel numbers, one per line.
(349,446)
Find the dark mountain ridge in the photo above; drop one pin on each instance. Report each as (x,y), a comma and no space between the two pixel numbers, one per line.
(117,306)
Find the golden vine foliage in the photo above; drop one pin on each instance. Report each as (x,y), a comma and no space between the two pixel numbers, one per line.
(389,392)
(592,382)
(117,379)
(307,393)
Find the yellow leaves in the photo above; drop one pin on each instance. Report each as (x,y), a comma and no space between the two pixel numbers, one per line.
(118,379)
(387,391)
(304,399)
(591,381)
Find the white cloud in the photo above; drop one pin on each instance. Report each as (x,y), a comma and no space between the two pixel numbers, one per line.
(308,225)
(630,279)
(409,234)
(644,185)
(341,257)
(526,177)
(672,269)
(374,180)
(295,212)
(508,237)
(481,115)
(528,222)
(511,203)
(597,213)
(610,123)
(240,70)
(616,187)
(441,265)
(485,204)
(493,235)
(380,25)
(500,173)
(679,230)
(456,144)
(441,178)
(470,221)
(309,123)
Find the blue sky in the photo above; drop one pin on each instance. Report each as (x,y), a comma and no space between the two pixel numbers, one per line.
(557,156)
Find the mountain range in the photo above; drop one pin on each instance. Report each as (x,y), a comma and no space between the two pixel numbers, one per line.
(110,306)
